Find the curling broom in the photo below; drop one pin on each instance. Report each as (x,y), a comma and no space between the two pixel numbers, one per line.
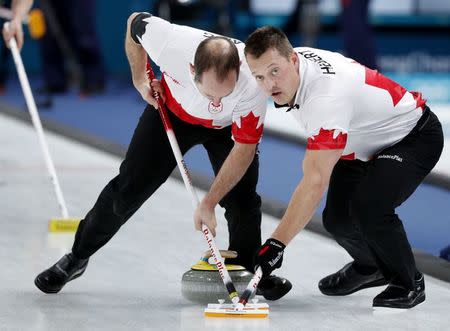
(64,223)
(236,309)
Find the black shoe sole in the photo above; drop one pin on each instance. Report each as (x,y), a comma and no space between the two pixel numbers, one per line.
(278,295)
(272,294)
(44,289)
(375,283)
(418,300)
(47,290)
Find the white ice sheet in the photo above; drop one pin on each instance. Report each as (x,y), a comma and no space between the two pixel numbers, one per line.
(133,283)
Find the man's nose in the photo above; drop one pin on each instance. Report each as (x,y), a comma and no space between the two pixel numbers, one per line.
(269,84)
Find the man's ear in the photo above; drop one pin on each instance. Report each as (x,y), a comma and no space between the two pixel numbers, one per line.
(192,69)
(294,57)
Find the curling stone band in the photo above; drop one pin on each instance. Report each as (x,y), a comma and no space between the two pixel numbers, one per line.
(203,284)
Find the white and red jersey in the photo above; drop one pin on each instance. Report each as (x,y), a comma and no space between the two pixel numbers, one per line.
(344,105)
(172,47)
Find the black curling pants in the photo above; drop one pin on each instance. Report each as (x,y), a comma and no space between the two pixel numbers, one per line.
(362,198)
(147,165)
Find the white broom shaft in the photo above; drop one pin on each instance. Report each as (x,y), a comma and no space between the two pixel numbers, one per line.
(183,169)
(251,287)
(37,124)
(220,262)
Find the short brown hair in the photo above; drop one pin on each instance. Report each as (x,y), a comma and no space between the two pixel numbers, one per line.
(213,53)
(265,38)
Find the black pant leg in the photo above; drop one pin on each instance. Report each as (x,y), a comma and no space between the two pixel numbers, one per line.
(147,164)
(242,204)
(392,177)
(337,217)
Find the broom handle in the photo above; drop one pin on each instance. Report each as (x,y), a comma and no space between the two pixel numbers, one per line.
(251,287)
(37,123)
(220,263)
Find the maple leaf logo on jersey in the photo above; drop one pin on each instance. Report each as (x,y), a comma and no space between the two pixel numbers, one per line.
(327,139)
(248,128)
(374,78)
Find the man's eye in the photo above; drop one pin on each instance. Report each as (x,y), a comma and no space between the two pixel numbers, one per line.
(275,71)
(259,78)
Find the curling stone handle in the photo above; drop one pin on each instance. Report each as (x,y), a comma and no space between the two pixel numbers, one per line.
(226,254)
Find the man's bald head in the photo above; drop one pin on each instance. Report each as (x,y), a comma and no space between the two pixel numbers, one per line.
(218,54)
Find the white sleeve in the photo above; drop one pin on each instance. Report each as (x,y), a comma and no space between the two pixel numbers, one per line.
(327,112)
(169,45)
(327,121)
(157,34)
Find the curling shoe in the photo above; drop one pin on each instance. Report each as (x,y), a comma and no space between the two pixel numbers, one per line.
(54,278)
(348,280)
(273,287)
(397,296)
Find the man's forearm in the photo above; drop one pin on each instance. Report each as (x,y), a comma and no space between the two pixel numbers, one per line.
(231,172)
(20,8)
(137,57)
(300,210)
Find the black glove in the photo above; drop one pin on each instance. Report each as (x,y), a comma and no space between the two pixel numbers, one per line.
(269,256)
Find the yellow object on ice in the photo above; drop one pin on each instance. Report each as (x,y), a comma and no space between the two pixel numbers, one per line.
(205,266)
(256,310)
(63,225)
